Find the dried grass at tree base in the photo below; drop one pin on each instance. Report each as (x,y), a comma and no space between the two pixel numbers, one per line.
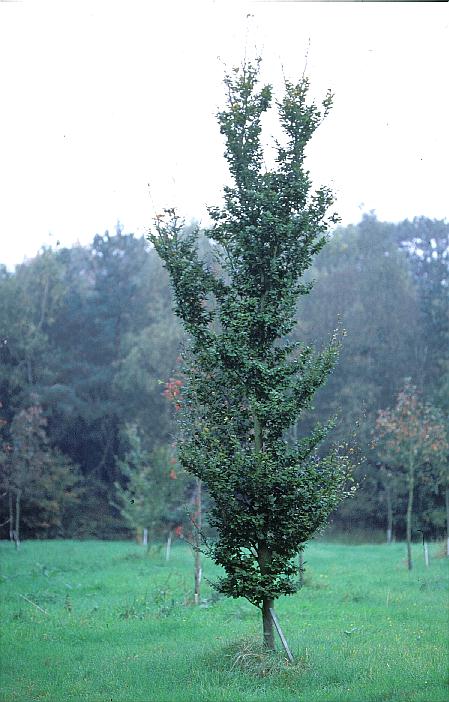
(248,655)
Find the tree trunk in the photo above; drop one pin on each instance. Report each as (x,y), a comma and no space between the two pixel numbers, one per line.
(198,575)
(11,517)
(301,568)
(389,514)
(150,538)
(389,535)
(411,485)
(268,627)
(198,571)
(17,526)
(267,603)
(447,521)
(264,558)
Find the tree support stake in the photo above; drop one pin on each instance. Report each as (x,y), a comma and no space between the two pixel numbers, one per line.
(281,635)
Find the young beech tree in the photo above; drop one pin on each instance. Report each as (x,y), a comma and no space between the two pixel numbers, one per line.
(155,494)
(246,384)
(411,437)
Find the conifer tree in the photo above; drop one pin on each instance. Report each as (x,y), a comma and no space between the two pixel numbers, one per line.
(246,384)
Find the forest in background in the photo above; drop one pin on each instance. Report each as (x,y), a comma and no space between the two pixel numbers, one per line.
(89,376)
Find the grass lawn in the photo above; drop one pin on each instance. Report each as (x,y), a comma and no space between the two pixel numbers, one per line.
(117,627)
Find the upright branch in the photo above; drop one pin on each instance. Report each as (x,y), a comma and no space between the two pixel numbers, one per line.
(246,384)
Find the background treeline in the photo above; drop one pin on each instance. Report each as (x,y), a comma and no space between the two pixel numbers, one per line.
(88,343)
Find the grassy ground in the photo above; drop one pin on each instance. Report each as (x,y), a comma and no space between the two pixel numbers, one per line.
(117,627)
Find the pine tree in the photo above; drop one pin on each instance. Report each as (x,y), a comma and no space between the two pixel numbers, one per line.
(246,384)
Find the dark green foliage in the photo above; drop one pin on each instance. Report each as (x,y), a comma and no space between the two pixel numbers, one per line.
(427,245)
(89,330)
(382,281)
(42,485)
(246,383)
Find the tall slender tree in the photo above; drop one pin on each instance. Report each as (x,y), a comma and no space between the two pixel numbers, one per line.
(246,385)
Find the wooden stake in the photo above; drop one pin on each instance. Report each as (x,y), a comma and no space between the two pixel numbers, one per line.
(16,532)
(426,553)
(281,635)
(196,540)
(33,603)
(168,546)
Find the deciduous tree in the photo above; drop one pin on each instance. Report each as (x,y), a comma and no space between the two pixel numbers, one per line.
(410,437)
(155,495)
(245,383)
(42,483)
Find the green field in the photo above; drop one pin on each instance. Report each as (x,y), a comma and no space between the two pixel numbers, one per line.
(117,625)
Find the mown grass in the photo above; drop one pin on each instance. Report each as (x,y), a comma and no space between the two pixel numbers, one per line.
(118,627)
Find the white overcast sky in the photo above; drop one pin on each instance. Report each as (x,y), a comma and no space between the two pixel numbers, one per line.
(108,108)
